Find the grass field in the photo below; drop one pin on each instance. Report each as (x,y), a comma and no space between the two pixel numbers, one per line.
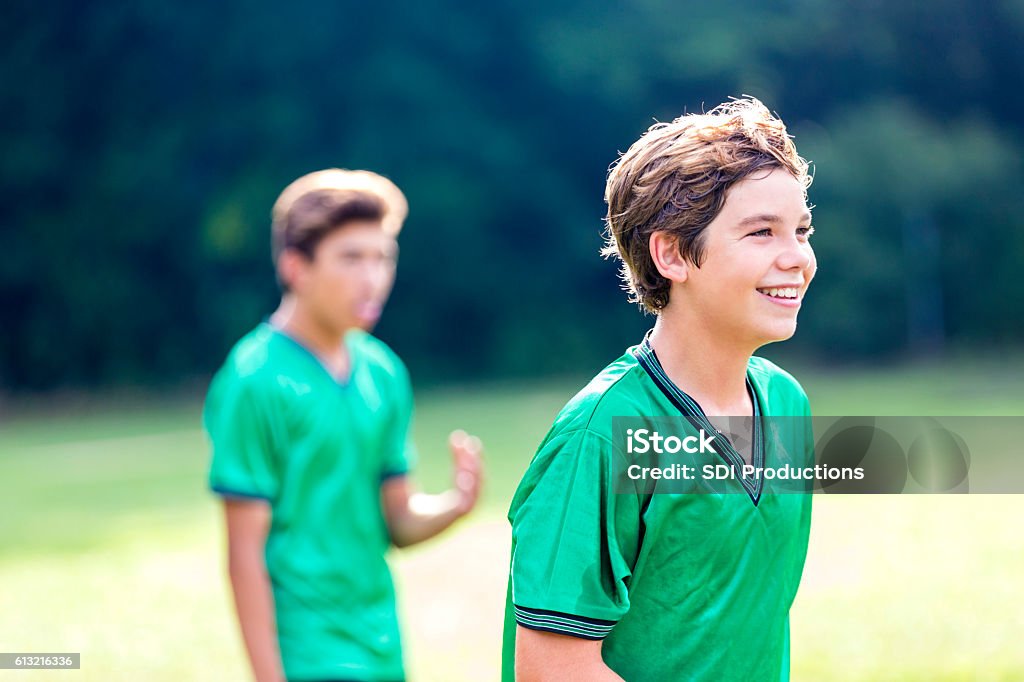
(111,546)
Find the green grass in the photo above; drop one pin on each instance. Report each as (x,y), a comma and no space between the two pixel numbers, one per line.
(110,544)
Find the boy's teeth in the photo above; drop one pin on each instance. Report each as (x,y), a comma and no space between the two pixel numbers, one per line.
(786,292)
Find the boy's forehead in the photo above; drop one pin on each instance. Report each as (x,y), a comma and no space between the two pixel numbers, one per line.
(777,195)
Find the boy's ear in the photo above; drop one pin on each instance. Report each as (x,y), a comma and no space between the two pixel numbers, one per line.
(291,266)
(668,258)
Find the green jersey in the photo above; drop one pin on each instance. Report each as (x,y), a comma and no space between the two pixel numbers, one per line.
(678,586)
(283,429)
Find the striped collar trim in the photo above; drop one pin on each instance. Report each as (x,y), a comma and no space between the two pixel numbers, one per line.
(691,410)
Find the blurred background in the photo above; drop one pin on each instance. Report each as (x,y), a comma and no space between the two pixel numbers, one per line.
(144,144)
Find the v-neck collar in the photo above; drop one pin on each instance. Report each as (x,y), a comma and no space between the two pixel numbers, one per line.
(342,382)
(691,410)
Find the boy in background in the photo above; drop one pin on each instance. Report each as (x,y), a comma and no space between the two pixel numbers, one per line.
(309,421)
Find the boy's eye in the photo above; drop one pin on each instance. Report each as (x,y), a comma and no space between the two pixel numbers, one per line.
(357,257)
(767,232)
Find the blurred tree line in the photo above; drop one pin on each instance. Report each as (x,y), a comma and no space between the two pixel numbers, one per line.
(144,143)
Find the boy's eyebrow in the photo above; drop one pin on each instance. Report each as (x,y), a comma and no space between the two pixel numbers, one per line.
(770,218)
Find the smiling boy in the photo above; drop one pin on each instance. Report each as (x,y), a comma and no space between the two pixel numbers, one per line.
(309,422)
(708,215)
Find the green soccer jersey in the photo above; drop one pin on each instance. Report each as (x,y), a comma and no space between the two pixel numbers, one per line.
(284,430)
(678,586)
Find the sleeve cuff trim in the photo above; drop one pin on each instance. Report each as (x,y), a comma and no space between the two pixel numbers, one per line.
(231,492)
(563,623)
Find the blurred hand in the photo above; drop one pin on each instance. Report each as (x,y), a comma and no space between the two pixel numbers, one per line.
(466,460)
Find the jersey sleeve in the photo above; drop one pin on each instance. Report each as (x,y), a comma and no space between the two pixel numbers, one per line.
(575,542)
(238,422)
(399,456)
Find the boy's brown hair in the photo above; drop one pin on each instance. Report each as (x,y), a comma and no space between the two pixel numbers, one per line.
(675,178)
(318,203)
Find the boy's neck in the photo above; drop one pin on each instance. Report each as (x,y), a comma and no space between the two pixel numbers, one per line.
(707,367)
(327,344)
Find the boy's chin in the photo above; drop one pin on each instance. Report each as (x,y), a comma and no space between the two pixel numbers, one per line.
(363,324)
(778,335)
